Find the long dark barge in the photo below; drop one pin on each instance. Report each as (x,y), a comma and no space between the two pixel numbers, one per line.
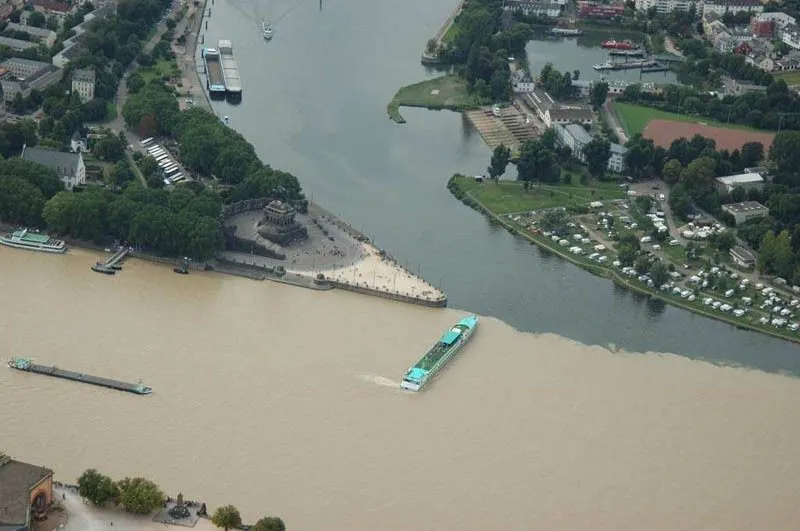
(25,364)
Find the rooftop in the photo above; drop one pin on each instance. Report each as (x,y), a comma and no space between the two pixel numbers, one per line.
(746,206)
(83,74)
(743,253)
(742,178)
(57,160)
(571,113)
(16,481)
(578,133)
(21,61)
(17,44)
(734,2)
(31,30)
(618,149)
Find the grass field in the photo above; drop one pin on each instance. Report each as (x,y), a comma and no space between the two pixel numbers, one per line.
(506,197)
(791,78)
(159,69)
(445,92)
(634,118)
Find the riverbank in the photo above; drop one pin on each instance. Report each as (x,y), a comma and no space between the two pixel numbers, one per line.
(448,92)
(518,224)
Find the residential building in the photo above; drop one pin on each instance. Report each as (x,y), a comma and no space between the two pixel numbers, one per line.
(664,6)
(16,44)
(722,7)
(51,8)
(790,61)
(69,166)
(747,181)
(780,20)
(25,75)
(521,83)
(616,162)
(25,490)
(615,86)
(790,34)
(77,144)
(724,43)
(742,257)
(600,11)
(742,212)
(576,137)
(533,7)
(45,36)
(744,48)
(73,46)
(762,29)
(572,114)
(83,81)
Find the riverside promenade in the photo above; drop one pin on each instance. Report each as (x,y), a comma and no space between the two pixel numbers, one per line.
(431,59)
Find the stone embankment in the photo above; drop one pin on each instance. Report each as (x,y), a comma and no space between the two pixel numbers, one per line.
(432,58)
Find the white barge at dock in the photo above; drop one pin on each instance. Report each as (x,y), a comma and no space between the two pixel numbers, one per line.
(230,68)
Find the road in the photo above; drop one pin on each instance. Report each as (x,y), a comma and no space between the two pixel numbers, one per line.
(613,123)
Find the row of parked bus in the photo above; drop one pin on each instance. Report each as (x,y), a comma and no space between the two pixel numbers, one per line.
(171,170)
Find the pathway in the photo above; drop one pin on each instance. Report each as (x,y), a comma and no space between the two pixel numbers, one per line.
(670,47)
(613,122)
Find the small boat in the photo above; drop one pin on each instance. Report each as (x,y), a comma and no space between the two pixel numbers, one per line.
(267,30)
(618,45)
(496,110)
(566,32)
(226,120)
(102,268)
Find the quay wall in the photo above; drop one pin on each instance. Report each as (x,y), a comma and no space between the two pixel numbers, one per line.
(398,297)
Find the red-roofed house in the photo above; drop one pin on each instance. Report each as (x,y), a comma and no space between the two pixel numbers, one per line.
(742,48)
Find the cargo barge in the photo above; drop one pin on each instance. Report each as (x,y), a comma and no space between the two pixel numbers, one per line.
(214,77)
(436,358)
(230,68)
(27,365)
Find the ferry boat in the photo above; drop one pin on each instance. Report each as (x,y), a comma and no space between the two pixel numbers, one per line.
(267,29)
(444,349)
(618,45)
(35,241)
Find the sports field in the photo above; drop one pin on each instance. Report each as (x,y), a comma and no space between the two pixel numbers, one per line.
(664,127)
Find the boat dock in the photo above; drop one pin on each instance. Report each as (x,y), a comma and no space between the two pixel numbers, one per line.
(113,264)
(24,364)
(230,68)
(647,65)
(627,53)
(214,77)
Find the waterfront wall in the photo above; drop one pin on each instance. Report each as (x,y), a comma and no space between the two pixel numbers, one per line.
(364,290)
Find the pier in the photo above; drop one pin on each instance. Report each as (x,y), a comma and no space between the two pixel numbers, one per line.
(113,264)
(24,364)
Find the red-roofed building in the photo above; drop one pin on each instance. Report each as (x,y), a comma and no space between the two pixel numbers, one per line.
(51,7)
(763,28)
(602,11)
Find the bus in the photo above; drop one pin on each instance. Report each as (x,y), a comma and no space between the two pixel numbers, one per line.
(146,141)
(159,158)
(154,148)
(157,151)
(177,178)
(170,171)
(165,162)
(170,167)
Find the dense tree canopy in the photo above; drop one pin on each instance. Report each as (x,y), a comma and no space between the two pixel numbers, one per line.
(140,495)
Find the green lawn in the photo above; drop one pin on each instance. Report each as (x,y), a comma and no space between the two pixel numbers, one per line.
(506,197)
(161,68)
(634,118)
(445,92)
(791,78)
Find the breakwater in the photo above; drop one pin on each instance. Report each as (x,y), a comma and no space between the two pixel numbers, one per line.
(432,57)
(389,295)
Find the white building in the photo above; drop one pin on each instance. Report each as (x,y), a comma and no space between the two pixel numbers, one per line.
(83,81)
(27,75)
(568,115)
(747,210)
(533,7)
(576,137)
(780,19)
(721,7)
(747,181)
(616,162)
(664,6)
(68,166)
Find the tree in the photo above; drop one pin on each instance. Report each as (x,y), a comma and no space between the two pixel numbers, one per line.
(752,153)
(726,241)
(785,153)
(500,157)
(269,523)
(536,163)
(672,171)
(36,19)
(226,517)
(96,487)
(597,153)
(659,273)
(598,94)
(140,495)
